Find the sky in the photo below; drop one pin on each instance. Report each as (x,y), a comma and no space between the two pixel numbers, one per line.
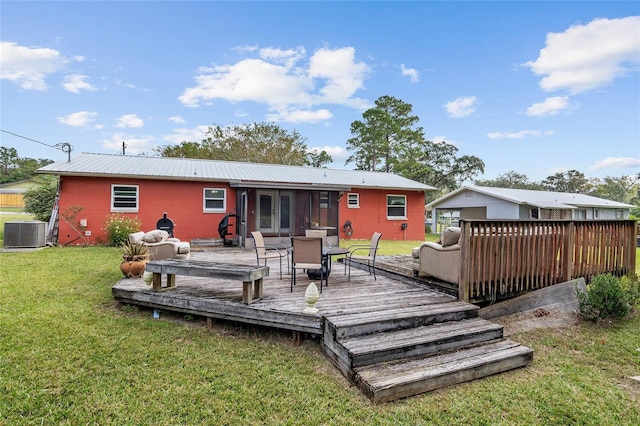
(538,88)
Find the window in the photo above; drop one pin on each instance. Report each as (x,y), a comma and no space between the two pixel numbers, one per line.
(215,200)
(353,200)
(324,199)
(124,198)
(396,207)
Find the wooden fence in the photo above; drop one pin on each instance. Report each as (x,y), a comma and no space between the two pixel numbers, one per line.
(501,258)
(11,200)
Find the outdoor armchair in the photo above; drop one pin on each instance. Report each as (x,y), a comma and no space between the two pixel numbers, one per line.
(160,245)
(270,251)
(364,253)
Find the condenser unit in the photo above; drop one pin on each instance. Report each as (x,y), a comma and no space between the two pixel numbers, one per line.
(27,233)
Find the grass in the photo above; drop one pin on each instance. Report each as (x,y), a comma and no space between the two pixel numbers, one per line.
(69,354)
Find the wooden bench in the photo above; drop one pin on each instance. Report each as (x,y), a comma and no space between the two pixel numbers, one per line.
(251,276)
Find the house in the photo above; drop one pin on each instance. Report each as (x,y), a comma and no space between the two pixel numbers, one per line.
(482,202)
(277,200)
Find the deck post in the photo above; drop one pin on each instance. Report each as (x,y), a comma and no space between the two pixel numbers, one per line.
(463,275)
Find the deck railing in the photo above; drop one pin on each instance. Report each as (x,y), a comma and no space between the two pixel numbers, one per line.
(502,258)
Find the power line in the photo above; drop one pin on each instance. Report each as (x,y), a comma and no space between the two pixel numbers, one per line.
(64,146)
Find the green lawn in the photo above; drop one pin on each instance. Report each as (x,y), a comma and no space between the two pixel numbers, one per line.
(70,355)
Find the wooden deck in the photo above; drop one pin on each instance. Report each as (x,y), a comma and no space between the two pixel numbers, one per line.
(278,308)
(364,324)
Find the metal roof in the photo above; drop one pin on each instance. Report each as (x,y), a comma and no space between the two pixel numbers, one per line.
(236,173)
(542,199)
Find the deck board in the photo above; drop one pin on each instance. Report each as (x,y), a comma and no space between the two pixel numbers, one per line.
(361,322)
(279,307)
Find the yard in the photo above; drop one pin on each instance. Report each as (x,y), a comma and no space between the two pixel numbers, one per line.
(70,355)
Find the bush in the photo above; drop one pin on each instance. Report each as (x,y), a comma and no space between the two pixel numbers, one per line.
(118,227)
(608,296)
(40,199)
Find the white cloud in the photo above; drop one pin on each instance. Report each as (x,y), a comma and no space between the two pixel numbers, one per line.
(586,57)
(79,119)
(300,116)
(177,119)
(412,73)
(342,74)
(28,67)
(616,163)
(282,81)
(287,57)
(443,139)
(461,107)
(550,106)
(196,134)
(77,82)
(129,121)
(519,135)
(133,145)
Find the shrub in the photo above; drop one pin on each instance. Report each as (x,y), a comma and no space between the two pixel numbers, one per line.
(608,296)
(118,227)
(39,200)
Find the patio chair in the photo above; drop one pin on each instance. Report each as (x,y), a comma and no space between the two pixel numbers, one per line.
(270,251)
(318,233)
(307,254)
(370,256)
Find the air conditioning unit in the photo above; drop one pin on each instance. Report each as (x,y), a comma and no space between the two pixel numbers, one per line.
(27,233)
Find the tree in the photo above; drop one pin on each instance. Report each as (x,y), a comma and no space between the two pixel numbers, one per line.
(571,181)
(510,179)
(318,159)
(39,199)
(386,141)
(384,133)
(437,164)
(15,168)
(624,189)
(254,143)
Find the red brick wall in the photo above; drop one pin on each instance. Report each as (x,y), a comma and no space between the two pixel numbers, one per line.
(371,216)
(181,200)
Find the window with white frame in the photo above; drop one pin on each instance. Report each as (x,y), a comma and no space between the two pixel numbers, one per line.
(353,200)
(124,198)
(396,206)
(215,200)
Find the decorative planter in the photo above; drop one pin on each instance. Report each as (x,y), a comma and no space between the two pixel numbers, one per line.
(133,268)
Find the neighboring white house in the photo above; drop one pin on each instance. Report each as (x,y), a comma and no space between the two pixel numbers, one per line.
(483,202)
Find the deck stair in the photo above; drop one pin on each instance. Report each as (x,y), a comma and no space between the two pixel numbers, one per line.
(401,352)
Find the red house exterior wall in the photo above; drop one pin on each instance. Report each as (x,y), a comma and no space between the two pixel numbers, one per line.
(371,216)
(181,200)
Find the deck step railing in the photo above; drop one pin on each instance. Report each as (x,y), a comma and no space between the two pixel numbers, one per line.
(502,258)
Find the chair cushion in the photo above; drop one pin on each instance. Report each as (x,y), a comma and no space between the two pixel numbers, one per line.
(184,247)
(450,236)
(155,236)
(136,237)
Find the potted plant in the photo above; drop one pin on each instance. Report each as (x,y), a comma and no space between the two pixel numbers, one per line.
(134,259)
